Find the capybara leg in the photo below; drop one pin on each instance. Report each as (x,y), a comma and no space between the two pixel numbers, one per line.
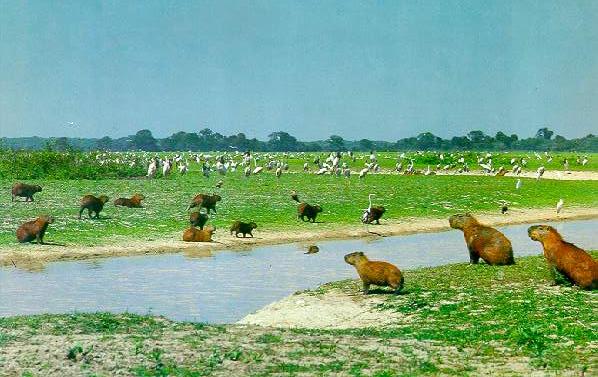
(251,234)
(366,288)
(89,213)
(13,198)
(39,239)
(31,198)
(553,274)
(378,222)
(244,235)
(97,216)
(80,212)
(474,257)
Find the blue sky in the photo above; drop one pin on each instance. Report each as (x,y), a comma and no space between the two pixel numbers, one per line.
(377,69)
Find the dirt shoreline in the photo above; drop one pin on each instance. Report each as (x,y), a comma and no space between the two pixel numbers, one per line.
(32,256)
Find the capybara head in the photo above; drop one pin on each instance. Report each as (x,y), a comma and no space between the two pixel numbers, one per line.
(217,197)
(103,198)
(139,196)
(210,229)
(253,225)
(46,218)
(459,220)
(539,232)
(353,258)
(318,209)
(37,188)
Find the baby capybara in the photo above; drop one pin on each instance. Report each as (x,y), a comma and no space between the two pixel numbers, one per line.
(241,227)
(382,274)
(198,235)
(373,214)
(571,261)
(133,202)
(198,219)
(483,241)
(205,201)
(34,230)
(24,190)
(93,204)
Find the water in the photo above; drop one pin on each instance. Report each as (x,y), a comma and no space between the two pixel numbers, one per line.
(226,286)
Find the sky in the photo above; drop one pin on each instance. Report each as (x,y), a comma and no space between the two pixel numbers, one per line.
(381,70)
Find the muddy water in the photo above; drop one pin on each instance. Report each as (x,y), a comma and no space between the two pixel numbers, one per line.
(226,286)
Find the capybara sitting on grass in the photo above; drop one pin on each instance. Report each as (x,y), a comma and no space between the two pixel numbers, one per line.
(198,219)
(134,202)
(198,235)
(24,190)
(382,274)
(483,241)
(205,201)
(241,227)
(93,204)
(571,261)
(34,230)
(373,214)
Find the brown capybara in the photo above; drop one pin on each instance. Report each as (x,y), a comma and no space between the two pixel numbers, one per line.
(312,249)
(205,201)
(382,274)
(306,210)
(571,261)
(483,241)
(24,190)
(198,219)
(241,227)
(373,214)
(133,202)
(198,235)
(93,204)
(34,230)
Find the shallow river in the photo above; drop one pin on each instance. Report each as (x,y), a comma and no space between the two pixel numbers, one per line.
(230,284)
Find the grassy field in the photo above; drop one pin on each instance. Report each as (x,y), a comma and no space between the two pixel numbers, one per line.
(265,199)
(451,320)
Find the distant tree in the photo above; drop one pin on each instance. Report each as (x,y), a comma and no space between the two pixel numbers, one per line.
(460,142)
(336,143)
(428,140)
(366,144)
(104,143)
(144,140)
(281,141)
(544,133)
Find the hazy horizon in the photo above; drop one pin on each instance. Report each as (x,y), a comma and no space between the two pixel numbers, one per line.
(380,70)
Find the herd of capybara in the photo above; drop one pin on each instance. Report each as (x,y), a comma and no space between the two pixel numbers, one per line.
(483,242)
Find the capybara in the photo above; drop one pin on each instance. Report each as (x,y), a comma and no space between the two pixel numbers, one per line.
(382,274)
(312,249)
(133,202)
(373,214)
(198,235)
(34,230)
(198,219)
(571,261)
(24,190)
(483,241)
(93,204)
(241,227)
(205,201)
(306,210)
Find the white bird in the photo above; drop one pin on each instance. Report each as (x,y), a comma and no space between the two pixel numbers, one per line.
(247,171)
(151,170)
(183,168)
(584,161)
(518,184)
(363,172)
(166,168)
(559,206)
(305,166)
(540,172)
(278,172)
(366,212)
(257,169)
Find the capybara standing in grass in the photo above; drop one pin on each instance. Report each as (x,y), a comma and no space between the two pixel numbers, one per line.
(198,235)
(571,261)
(134,202)
(93,204)
(34,230)
(382,274)
(306,210)
(24,190)
(205,201)
(483,241)
(198,219)
(241,227)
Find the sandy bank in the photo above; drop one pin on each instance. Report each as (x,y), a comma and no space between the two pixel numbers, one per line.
(34,256)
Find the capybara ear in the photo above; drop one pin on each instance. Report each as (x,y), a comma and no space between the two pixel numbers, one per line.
(361,253)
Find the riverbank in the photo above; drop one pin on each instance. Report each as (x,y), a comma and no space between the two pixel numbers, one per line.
(450,320)
(32,256)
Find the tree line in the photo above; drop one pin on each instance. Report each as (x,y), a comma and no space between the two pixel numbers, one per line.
(208,140)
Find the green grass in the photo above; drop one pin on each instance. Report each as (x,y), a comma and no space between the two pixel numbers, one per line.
(451,320)
(266,200)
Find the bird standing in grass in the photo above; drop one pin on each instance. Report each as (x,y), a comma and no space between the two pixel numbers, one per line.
(559,206)
(518,184)
(219,184)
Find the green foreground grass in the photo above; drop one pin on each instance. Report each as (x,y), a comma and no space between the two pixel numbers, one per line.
(266,200)
(451,320)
